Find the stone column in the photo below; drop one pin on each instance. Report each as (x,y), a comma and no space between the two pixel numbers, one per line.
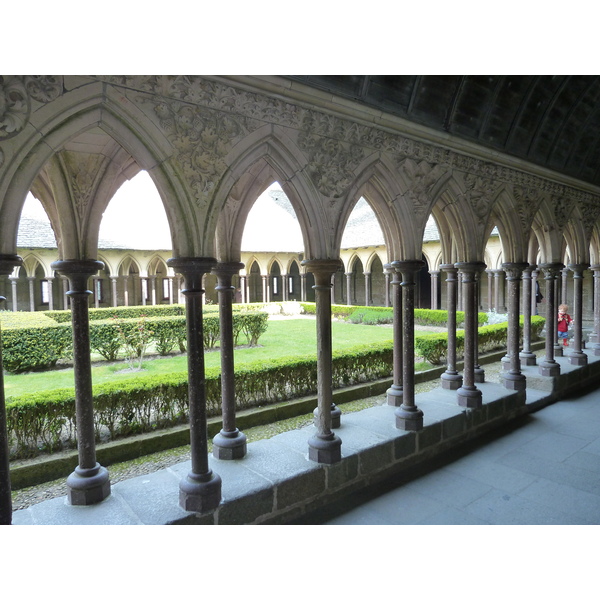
(564,287)
(230,443)
(490,285)
(325,446)
(126,289)
(513,379)
(348,289)
(451,379)
(367,289)
(96,296)
(596,339)
(497,283)
(549,367)
(284,287)
(577,356)
(526,356)
(532,293)
(144,287)
(459,289)
(15,297)
(478,371)
(171,290)
(89,483)
(265,296)
(333,289)
(31,281)
(387,289)
(200,491)
(394,392)
(243,289)
(50,293)
(435,278)
(302,287)
(7,263)
(468,394)
(152,279)
(408,416)
(65,286)
(114,292)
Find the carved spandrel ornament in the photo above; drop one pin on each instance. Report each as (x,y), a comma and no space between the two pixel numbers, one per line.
(201,138)
(591,214)
(562,208)
(420,178)
(83,172)
(332,152)
(14,106)
(528,200)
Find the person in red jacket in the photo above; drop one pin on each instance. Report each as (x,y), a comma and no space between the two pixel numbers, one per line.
(564,320)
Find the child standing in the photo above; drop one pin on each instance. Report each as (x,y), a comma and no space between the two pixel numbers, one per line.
(564,320)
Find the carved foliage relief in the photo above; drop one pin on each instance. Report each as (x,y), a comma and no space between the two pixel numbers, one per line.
(420,178)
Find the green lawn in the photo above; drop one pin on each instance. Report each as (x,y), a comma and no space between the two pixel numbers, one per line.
(283,338)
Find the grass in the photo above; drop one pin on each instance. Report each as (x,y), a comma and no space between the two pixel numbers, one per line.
(283,338)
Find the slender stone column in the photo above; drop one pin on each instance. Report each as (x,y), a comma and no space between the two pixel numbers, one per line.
(564,288)
(50,293)
(478,371)
(15,297)
(408,416)
(451,379)
(348,289)
(459,289)
(468,394)
(126,289)
(243,289)
(325,446)
(333,289)
(596,340)
(513,379)
(65,286)
(89,483)
(533,292)
(171,289)
(395,392)
(95,293)
(367,289)
(387,289)
(152,279)
(577,356)
(526,356)
(230,443)
(435,279)
(7,263)
(200,491)
(114,293)
(265,297)
(558,347)
(284,287)
(31,281)
(490,286)
(549,367)
(497,290)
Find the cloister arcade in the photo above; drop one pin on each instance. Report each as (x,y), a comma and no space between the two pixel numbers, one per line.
(212,145)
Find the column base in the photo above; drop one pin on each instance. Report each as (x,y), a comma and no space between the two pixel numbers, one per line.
(549,369)
(578,358)
(479,375)
(395,394)
(596,348)
(515,381)
(409,419)
(325,449)
(229,445)
(527,358)
(469,397)
(200,493)
(505,360)
(88,486)
(451,380)
(558,350)
(336,415)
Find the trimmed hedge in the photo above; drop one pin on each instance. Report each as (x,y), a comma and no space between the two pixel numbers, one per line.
(45,421)
(124,312)
(434,347)
(42,346)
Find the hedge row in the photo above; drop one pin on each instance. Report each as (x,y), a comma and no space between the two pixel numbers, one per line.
(41,347)
(45,421)
(434,347)
(384,314)
(123,312)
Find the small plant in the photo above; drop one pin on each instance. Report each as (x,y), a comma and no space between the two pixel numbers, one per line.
(135,339)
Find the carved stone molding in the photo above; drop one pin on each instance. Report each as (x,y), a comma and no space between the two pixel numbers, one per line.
(14,106)
(528,203)
(421,177)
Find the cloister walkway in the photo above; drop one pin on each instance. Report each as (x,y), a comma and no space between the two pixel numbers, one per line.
(541,468)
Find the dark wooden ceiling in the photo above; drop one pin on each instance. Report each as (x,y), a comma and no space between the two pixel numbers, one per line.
(550,120)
